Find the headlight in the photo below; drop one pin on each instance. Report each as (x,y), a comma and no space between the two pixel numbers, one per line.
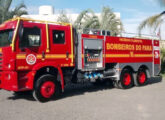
(9,66)
(9,76)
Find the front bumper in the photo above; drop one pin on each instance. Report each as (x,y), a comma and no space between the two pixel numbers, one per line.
(17,81)
(8,80)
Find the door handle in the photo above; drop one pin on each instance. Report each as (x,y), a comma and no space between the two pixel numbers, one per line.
(43,55)
(67,55)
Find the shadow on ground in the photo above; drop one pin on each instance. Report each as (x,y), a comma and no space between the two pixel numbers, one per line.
(155,80)
(78,89)
(22,95)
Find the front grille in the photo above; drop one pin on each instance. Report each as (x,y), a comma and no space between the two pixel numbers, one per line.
(1,60)
(0,79)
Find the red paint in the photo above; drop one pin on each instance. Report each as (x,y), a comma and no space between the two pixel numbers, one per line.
(83,55)
(9,80)
(127,79)
(135,50)
(156,57)
(156,52)
(142,78)
(92,36)
(156,43)
(23,74)
(47,89)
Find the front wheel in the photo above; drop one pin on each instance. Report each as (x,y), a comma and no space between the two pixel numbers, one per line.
(126,79)
(46,88)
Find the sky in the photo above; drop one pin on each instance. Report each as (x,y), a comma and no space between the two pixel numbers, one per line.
(132,11)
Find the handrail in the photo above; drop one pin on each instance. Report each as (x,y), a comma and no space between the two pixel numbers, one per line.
(35,20)
(15,35)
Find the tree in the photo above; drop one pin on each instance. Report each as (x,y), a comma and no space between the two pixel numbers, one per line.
(7,13)
(154,21)
(106,21)
(63,17)
(87,19)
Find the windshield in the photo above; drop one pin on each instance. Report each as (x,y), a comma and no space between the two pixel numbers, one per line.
(6,37)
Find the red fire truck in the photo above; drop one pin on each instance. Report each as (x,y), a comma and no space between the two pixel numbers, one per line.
(43,56)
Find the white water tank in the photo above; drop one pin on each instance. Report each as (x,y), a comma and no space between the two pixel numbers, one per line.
(46,10)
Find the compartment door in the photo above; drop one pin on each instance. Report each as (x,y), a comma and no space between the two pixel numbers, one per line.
(156,58)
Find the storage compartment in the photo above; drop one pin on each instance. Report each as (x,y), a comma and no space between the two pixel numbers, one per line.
(93,59)
(90,54)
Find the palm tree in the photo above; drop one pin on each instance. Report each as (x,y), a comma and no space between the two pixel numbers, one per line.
(87,19)
(106,21)
(63,17)
(86,16)
(154,21)
(7,13)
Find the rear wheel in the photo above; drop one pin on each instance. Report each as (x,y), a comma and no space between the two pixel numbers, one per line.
(141,78)
(126,79)
(46,88)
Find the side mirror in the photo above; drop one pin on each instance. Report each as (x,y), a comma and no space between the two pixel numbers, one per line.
(20,34)
(21,30)
(22,49)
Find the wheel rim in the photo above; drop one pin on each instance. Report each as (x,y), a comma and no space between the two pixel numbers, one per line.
(127,79)
(48,89)
(142,78)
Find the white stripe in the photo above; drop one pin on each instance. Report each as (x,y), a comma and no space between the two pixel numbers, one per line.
(156,48)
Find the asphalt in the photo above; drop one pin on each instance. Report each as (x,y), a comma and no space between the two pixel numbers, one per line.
(88,102)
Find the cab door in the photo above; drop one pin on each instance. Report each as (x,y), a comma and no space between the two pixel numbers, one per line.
(30,45)
(60,44)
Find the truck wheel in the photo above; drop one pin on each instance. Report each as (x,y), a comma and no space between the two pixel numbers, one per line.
(97,83)
(46,88)
(141,78)
(126,79)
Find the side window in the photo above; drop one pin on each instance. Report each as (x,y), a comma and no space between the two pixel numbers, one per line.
(31,37)
(58,37)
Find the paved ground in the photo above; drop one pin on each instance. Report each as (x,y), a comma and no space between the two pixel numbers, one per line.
(88,102)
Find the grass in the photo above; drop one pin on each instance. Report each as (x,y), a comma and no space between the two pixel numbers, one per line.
(162,74)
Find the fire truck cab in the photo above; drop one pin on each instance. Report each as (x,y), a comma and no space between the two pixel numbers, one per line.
(43,56)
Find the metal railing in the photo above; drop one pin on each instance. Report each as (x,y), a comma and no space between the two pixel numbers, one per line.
(122,34)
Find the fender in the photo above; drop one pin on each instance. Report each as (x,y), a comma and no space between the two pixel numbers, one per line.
(45,64)
(52,64)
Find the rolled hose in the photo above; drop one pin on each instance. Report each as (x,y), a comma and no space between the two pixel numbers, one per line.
(109,72)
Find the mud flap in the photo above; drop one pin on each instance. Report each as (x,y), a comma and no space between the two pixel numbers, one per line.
(135,79)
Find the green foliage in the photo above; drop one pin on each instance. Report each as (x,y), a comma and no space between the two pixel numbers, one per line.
(7,13)
(107,21)
(163,61)
(87,19)
(63,17)
(154,21)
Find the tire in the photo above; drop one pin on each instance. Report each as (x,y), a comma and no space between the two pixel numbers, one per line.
(46,88)
(98,83)
(141,78)
(126,79)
